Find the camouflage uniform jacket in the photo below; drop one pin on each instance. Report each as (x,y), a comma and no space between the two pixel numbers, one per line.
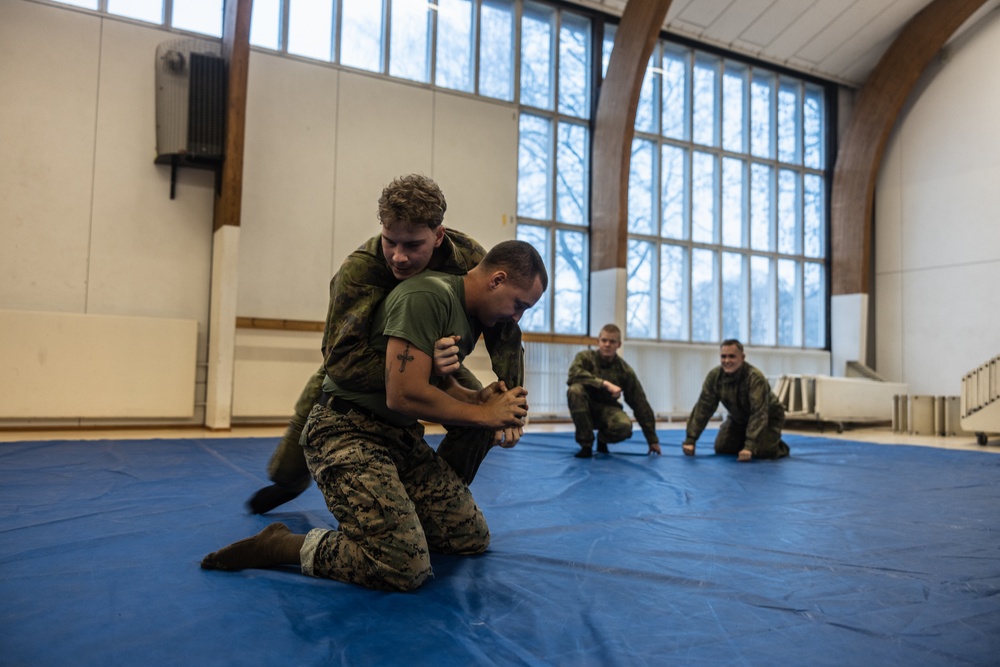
(747,397)
(590,370)
(359,286)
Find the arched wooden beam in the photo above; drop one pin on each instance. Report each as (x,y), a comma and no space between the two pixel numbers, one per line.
(236,51)
(614,127)
(878,106)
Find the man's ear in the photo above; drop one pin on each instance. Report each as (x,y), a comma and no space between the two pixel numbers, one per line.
(497,278)
(438,236)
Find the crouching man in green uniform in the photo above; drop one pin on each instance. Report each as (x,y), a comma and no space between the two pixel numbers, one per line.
(597,379)
(396,500)
(753,427)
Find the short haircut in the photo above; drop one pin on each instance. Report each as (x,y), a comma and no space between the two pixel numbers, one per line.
(732,341)
(413,200)
(520,260)
(613,329)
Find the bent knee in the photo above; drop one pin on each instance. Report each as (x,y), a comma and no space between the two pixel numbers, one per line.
(618,431)
(478,541)
(469,542)
(403,577)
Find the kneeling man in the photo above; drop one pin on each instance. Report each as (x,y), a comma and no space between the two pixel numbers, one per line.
(753,427)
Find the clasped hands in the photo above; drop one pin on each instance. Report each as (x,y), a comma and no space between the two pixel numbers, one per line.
(507,406)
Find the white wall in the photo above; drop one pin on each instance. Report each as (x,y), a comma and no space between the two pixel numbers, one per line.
(937,223)
(87,225)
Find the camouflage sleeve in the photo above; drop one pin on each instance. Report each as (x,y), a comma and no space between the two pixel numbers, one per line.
(466,252)
(581,371)
(503,342)
(759,399)
(635,396)
(355,291)
(703,410)
(467,378)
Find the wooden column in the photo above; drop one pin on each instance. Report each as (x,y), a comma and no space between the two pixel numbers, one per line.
(236,51)
(614,128)
(878,106)
(225,238)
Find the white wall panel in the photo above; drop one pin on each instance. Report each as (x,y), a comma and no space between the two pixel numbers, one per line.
(66,365)
(288,189)
(149,255)
(939,316)
(384,130)
(270,370)
(947,331)
(890,339)
(49,61)
(475,163)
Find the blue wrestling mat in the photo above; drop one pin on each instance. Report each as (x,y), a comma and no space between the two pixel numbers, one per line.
(844,554)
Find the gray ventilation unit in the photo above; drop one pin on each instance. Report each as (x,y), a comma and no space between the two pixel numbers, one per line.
(190,105)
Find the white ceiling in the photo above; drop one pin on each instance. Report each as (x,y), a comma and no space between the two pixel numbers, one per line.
(837,40)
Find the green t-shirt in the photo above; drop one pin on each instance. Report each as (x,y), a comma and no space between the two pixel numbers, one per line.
(420,310)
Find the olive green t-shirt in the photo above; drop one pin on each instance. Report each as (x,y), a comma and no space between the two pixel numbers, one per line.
(420,310)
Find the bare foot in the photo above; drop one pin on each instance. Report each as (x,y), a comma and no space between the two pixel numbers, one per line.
(745,455)
(275,545)
(688,450)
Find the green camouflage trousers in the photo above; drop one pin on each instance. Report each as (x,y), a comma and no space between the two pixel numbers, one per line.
(732,438)
(395,499)
(610,420)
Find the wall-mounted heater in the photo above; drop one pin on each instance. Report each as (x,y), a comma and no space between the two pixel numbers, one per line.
(190,105)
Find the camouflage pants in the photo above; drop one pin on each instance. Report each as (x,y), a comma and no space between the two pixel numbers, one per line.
(610,420)
(396,500)
(463,448)
(732,438)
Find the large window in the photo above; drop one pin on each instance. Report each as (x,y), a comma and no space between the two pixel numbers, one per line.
(726,220)
(553,166)
(201,16)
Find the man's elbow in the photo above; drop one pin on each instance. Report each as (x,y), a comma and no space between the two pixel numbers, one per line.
(396,402)
(403,403)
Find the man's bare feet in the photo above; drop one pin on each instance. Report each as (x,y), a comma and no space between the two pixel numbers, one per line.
(745,455)
(688,449)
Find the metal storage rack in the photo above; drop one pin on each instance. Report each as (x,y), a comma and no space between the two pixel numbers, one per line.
(980,400)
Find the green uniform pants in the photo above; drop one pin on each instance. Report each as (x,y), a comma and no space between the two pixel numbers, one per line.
(732,438)
(609,419)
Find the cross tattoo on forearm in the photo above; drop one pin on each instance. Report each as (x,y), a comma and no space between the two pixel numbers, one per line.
(404,357)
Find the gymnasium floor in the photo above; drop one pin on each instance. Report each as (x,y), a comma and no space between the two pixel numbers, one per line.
(861,548)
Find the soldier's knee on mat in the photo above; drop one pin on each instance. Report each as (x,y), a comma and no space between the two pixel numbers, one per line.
(619,431)
(405,581)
